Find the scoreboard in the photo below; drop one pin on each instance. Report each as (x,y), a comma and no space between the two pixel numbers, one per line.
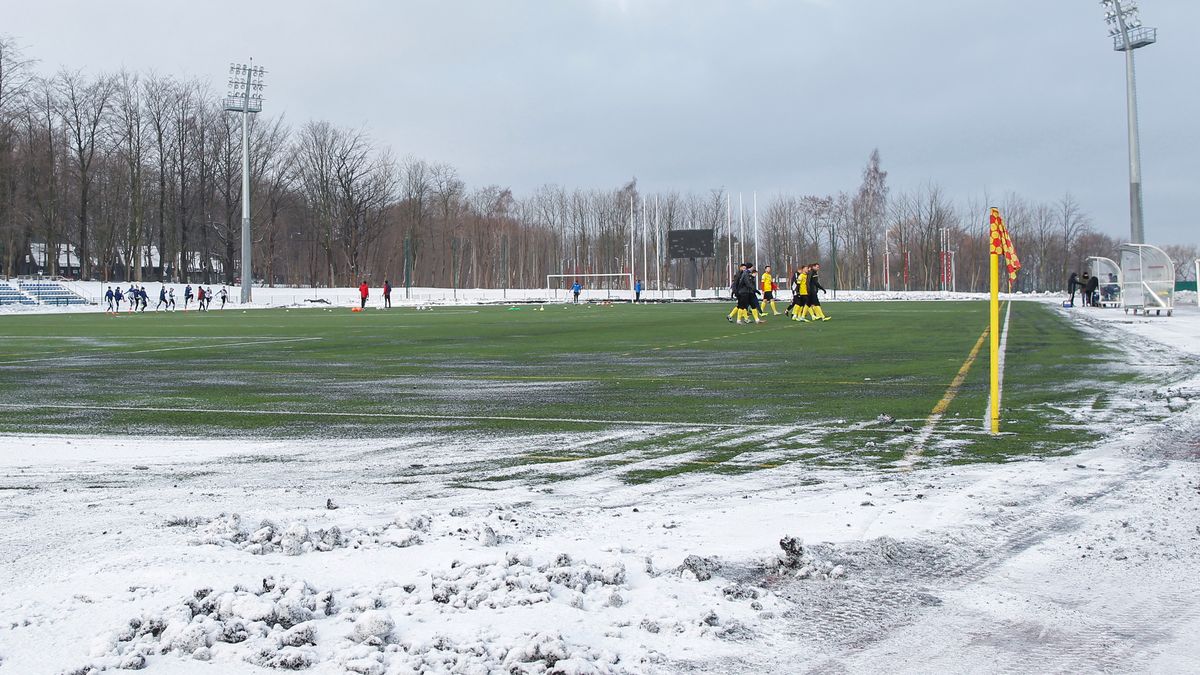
(690,244)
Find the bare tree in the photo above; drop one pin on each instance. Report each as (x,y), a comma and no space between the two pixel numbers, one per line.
(16,82)
(83,105)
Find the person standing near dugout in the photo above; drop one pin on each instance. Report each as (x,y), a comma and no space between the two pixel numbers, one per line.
(1091,291)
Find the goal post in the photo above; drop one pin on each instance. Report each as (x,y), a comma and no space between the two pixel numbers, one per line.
(589,291)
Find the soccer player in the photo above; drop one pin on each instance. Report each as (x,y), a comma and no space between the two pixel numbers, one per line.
(800,312)
(768,290)
(118,297)
(575,289)
(795,295)
(108,297)
(162,298)
(200,298)
(364,291)
(736,312)
(387,294)
(755,302)
(637,291)
(187,296)
(171,299)
(748,296)
(208,298)
(814,285)
(224,296)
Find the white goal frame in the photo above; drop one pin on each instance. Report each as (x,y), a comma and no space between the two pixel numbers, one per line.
(553,292)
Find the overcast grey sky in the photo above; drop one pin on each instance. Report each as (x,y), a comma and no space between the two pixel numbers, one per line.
(766,95)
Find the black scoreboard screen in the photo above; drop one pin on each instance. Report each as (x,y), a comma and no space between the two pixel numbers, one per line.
(690,244)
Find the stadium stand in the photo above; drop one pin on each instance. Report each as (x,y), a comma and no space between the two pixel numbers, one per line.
(51,293)
(11,296)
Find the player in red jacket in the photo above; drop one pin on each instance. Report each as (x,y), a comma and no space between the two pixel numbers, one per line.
(364,292)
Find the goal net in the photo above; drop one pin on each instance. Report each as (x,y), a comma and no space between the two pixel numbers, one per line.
(593,286)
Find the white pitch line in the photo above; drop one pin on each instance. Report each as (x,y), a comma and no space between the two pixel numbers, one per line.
(406,416)
(94,338)
(162,349)
(987,412)
(467,418)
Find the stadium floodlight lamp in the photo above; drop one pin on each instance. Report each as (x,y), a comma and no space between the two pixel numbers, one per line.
(245,96)
(1127,32)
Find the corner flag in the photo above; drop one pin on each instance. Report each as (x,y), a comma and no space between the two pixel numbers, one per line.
(1001,245)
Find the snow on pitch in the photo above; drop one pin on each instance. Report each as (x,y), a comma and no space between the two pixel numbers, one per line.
(248,556)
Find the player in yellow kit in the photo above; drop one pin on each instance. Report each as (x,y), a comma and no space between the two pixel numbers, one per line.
(768,290)
(800,311)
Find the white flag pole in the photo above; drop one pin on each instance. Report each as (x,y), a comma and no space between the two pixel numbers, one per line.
(658,265)
(741,231)
(755,194)
(645,244)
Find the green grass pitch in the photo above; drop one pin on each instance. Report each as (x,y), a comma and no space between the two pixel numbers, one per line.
(730,398)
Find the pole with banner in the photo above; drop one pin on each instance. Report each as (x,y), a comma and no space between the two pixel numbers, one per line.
(1000,245)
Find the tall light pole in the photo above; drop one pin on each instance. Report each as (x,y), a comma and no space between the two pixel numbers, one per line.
(245,96)
(1126,29)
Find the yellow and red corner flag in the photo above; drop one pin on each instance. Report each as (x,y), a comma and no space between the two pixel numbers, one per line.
(1002,244)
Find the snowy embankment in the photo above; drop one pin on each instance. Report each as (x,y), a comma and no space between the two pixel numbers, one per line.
(264,297)
(202,556)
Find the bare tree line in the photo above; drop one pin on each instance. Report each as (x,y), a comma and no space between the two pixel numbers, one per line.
(126,175)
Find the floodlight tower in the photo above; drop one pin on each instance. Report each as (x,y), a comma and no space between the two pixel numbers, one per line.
(245,96)
(1126,29)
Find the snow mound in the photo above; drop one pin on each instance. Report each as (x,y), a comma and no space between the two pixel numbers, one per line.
(289,625)
(297,537)
(529,653)
(806,562)
(294,538)
(271,626)
(516,581)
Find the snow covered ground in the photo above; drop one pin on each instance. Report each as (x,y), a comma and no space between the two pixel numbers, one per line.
(201,556)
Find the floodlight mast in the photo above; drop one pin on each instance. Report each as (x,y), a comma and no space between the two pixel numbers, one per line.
(1128,34)
(245,96)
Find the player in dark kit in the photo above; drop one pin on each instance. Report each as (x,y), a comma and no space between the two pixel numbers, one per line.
(736,312)
(814,285)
